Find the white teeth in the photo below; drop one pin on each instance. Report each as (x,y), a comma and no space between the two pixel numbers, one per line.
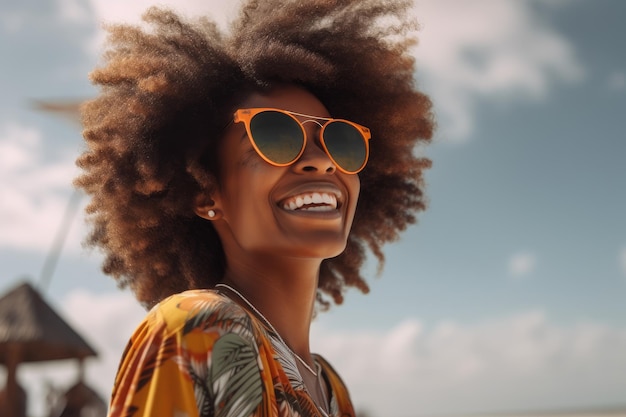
(322,202)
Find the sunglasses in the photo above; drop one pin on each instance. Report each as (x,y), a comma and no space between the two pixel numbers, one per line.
(279,138)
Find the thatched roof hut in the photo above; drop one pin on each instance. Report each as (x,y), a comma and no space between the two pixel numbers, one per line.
(31,331)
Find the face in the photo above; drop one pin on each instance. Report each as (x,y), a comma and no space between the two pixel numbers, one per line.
(303,210)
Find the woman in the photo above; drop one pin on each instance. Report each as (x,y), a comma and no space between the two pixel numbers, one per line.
(225,171)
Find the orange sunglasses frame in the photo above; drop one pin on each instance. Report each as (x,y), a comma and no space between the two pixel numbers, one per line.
(245,116)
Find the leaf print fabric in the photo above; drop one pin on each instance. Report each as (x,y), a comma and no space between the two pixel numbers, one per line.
(199,354)
(235,376)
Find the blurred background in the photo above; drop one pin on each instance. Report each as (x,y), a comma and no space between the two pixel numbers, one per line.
(507,297)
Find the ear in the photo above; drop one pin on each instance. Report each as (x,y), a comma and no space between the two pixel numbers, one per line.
(207,206)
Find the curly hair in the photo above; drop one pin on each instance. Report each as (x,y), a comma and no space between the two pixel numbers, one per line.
(169,88)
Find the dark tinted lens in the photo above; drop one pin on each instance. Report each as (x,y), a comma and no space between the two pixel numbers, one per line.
(346,145)
(278,136)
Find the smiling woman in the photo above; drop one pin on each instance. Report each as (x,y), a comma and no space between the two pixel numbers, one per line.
(225,170)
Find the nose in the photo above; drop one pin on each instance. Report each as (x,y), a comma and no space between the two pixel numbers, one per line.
(314,159)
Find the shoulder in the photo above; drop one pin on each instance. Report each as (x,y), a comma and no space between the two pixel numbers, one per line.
(187,355)
(200,310)
(219,342)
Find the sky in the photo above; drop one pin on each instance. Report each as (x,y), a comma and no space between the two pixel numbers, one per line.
(508,295)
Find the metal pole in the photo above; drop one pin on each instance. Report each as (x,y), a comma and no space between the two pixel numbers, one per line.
(52,258)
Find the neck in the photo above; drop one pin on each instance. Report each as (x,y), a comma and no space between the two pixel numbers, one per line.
(284,293)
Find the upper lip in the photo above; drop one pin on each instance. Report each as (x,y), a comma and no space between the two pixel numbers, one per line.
(315,187)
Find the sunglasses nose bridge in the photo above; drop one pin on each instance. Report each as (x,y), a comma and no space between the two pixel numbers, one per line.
(311,121)
(314,156)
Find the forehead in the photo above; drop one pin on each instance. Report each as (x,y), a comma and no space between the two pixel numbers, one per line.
(292,98)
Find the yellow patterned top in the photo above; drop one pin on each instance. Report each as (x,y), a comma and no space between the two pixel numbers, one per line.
(199,354)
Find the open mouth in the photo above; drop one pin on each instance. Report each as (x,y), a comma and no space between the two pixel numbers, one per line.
(311,201)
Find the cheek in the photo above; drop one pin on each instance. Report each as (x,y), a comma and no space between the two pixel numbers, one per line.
(247,192)
(357,183)
(354,186)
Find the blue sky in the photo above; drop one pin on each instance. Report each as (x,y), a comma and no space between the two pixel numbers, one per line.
(508,295)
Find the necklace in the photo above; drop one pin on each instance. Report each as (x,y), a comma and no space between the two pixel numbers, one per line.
(267,322)
(317,374)
(322,391)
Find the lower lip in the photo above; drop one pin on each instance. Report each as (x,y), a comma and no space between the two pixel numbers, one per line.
(327,215)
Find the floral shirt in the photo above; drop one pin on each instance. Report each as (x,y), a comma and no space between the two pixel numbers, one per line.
(199,354)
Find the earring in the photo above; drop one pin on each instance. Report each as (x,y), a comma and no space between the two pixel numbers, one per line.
(211,213)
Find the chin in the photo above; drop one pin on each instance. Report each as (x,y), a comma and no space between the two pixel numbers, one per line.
(327,250)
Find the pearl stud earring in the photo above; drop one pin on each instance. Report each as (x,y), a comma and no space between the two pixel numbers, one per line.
(211,213)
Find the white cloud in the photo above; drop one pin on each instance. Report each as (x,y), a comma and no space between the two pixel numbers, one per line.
(73,11)
(487,49)
(11,22)
(617,81)
(512,363)
(34,191)
(107,320)
(481,50)
(509,363)
(522,264)
(122,11)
